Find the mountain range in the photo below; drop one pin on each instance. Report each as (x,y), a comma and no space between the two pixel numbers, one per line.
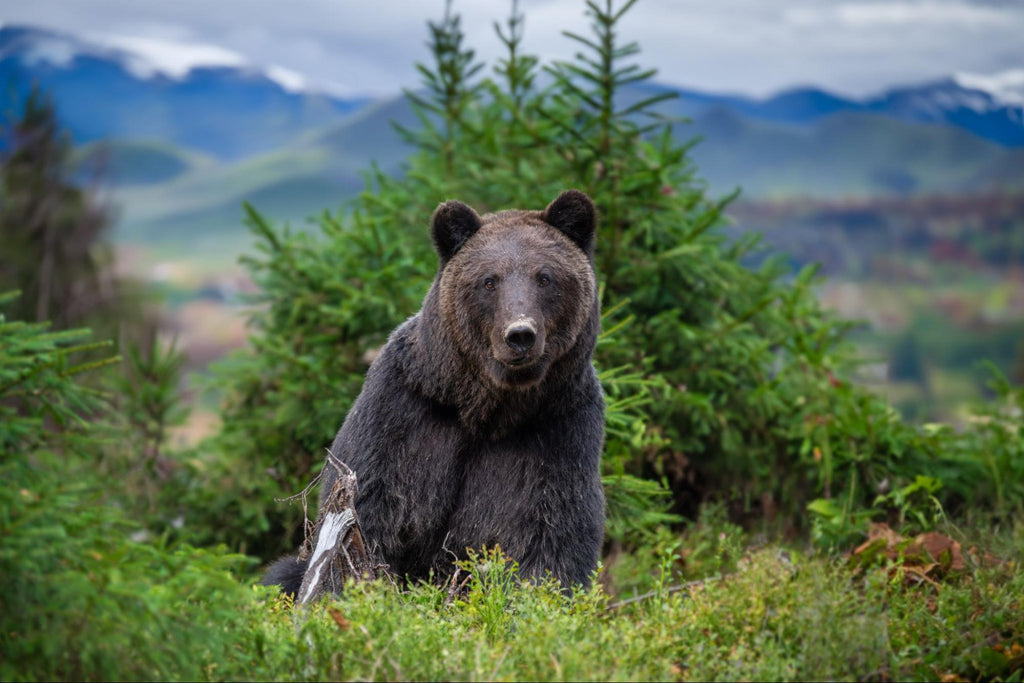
(186,142)
(224,107)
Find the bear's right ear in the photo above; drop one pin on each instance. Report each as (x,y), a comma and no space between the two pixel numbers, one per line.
(451,225)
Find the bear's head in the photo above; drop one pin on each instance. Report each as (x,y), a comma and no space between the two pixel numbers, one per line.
(516,288)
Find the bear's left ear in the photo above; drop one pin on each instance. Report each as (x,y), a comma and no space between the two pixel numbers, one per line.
(451,225)
(573,213)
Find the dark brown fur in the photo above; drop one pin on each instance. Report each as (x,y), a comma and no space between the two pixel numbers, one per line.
(481,422)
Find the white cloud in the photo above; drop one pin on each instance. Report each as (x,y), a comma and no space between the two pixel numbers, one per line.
(171,57)
(1007,86)
(894,13)
(289,80)
(953,14)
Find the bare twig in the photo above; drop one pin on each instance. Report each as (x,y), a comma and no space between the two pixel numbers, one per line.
(309,529)
(664,591)
(457,587)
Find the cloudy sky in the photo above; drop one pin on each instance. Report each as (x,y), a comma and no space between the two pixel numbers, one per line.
(757,47)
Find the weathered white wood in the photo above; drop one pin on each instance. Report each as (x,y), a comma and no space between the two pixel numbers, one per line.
(330,542)
(340,553)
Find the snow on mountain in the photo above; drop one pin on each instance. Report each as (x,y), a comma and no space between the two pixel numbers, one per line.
(1006,87)
(143,57)
(146,57)
(202,97)
(991,107)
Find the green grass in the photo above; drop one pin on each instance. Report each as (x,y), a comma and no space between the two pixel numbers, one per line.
(778,615)
(82,601)
(775,615)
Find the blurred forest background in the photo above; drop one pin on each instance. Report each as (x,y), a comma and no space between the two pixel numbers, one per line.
(197,270)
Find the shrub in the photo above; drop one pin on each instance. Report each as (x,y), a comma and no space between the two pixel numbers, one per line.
(82,600)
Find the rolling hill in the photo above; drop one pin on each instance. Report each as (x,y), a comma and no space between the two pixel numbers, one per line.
(847,154)
(320,170)
(129,163)
(841,155)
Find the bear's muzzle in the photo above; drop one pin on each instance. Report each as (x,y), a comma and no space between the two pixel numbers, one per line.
(521,336)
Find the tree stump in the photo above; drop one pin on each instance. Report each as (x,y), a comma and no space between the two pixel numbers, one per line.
(340,553)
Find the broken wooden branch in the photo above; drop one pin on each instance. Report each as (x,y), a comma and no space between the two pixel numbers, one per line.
(340,553)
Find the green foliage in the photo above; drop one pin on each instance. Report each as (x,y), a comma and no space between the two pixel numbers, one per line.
(81,600)
(148,390)
(706,547)
(145,405)
(37,393)
(975,469)
(996,441)
(911,502)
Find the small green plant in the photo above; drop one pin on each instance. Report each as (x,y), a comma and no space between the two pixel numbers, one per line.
(915,505)
(836,524)
(493,577)
(996,439)
(146,404)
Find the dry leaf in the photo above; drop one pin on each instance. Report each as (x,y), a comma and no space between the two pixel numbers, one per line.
(339,619)
(937,545)
(882,530)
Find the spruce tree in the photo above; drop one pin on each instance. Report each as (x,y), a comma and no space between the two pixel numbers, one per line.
(724,382)
(52,230)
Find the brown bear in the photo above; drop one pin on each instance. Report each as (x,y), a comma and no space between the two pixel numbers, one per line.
(481,421)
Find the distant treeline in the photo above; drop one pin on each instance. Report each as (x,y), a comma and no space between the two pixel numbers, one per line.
(973,230)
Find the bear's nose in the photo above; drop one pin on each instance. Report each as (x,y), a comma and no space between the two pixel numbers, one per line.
(520,337)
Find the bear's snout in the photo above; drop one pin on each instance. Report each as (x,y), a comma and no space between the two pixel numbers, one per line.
(521,336)
(518,347)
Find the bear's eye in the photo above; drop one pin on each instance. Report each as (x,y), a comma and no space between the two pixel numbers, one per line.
(490,284)
(543,280)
